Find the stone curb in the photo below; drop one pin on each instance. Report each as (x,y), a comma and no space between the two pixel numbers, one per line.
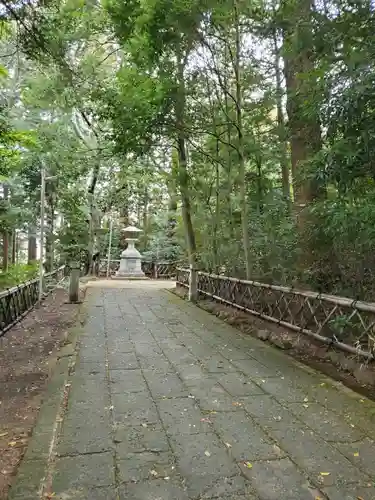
(33,471)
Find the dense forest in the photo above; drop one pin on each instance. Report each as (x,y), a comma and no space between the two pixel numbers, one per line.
(239,135)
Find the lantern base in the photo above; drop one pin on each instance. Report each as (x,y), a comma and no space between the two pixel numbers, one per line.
(130,263)
(129,277)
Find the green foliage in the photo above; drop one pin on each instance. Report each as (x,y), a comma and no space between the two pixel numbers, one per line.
(16,274)
(163,244)
(137,107)
(74,237)
(108,92)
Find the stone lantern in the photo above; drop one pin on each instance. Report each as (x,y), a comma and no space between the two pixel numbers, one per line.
(130,263)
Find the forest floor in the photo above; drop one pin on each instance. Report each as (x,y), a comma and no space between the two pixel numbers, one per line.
(28,353)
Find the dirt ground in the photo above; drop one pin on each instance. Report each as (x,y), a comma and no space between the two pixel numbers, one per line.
(27,355)
(349,369)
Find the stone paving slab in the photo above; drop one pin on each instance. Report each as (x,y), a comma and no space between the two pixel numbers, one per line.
(246,441)
(137,467)
(137,439)
(153,490)
(182,416)
(168,402)
(91,470)
(203,462)
(279,479)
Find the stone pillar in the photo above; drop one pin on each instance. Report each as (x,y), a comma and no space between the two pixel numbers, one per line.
(193,285)
(74,282)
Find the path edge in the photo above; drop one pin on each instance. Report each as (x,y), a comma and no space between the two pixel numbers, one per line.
(32,473)
(337,384)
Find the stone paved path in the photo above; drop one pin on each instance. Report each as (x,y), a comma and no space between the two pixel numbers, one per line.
(169,403)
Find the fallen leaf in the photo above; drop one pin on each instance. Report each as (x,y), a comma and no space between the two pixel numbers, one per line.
(236,403)
(144,425)
(305,406)
(228,445)
(207,453)
(166,478)
(3,434)
(360,498)
(153,473)
(305,400)
(361,400)
(356,454)
(322,384)
(12,443)
(325,473)
(248,465)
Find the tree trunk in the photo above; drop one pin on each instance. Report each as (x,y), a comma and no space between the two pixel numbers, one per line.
(240,145)
(172,203)
(49,254)
(145,217)
(228,131)
(183,175)
(304,128)
(259,183)
(172,210)
(124,208)
(31,248)
(281,128)
(5,251)
(183,178)
(304,124)
(91,226)
(138,205)
(215,242)
(5,234)
(14,247)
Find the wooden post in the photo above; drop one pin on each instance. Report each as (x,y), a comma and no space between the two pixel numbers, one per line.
(193,284)
(74,283)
